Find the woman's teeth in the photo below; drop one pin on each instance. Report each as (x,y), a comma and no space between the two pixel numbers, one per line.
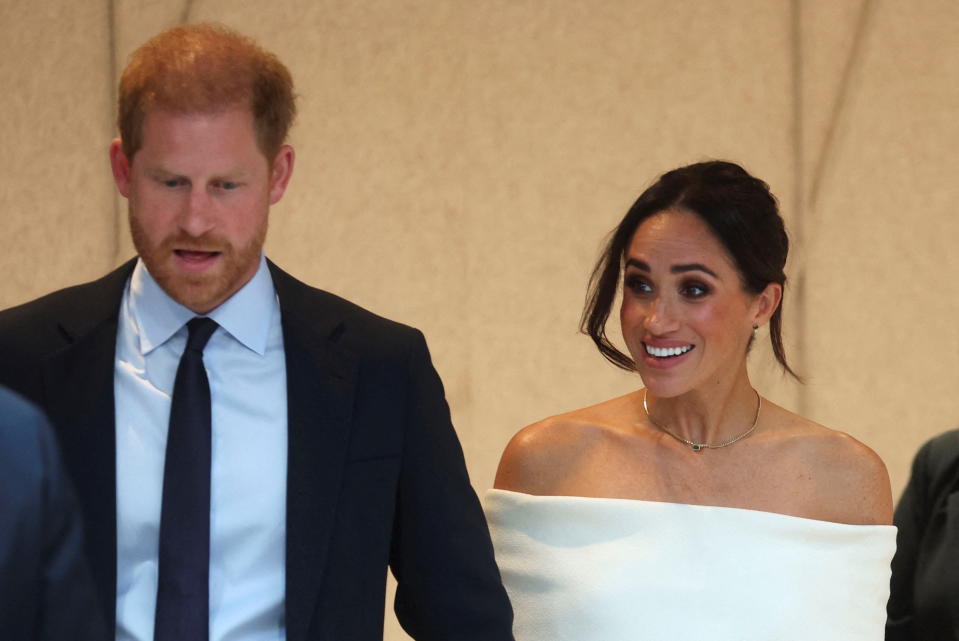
(665,352)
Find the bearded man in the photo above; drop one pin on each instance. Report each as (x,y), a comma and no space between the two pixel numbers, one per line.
(250,453)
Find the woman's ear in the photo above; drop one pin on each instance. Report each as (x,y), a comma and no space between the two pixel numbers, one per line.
(766,303)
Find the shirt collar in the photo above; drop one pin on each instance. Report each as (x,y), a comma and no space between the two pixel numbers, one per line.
(246,315)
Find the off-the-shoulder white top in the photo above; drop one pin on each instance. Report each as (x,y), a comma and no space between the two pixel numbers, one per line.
(588,569)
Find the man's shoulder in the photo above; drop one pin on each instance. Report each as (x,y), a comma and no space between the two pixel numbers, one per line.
(40,325)
(938,458)
(335,315)
(83,300)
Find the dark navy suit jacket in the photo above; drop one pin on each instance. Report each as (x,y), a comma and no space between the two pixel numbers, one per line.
(375,476)
(46,593)
(924,599)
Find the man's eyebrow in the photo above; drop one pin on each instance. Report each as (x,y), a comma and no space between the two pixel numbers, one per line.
(162,172)
(675,269)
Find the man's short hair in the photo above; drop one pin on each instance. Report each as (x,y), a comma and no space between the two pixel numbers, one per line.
(206,68)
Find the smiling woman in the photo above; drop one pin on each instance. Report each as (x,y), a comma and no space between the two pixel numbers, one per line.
(742,216)
(628,511)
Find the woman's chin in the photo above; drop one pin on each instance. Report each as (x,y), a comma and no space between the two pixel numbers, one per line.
(660,388)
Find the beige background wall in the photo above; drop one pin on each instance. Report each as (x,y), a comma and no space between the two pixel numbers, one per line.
(460,162)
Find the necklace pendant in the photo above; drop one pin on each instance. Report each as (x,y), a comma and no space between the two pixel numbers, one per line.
(696,447)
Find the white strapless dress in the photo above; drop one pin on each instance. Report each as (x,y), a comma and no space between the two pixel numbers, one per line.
(586,569)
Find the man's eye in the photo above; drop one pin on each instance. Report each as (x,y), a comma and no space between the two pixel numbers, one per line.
(227,185)
(172,182)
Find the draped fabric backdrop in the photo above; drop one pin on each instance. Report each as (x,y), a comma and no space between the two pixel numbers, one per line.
(459,163)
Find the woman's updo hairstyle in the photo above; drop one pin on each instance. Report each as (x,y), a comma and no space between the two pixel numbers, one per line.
(740,211)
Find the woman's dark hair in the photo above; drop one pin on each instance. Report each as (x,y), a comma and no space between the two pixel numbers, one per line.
(740,211)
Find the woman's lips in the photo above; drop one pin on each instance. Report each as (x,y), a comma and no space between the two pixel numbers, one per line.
(666,356)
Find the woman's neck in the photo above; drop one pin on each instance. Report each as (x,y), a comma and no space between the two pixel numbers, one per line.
(712,416)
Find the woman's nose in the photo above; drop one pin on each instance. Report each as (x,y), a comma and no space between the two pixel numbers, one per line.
(659,317)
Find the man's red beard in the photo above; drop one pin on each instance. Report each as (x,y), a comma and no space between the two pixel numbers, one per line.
(203,291)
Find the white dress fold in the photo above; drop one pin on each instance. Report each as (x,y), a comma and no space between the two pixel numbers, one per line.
(587,569)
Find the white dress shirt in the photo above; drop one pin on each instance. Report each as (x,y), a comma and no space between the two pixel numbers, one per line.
(246,367)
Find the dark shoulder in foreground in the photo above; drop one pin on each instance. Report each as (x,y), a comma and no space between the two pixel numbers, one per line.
(935,468)
(17,419)
(940,454)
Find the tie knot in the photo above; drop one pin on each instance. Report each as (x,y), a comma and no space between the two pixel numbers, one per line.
(201,329)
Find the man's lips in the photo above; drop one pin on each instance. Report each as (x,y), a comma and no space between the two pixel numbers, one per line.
(195,255)
(195,260)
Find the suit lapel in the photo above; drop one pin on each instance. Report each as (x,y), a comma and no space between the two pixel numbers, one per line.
(321,376)
(78,394)
(79,381)
(321,380)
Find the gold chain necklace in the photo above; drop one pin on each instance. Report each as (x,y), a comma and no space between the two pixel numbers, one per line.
(699,447)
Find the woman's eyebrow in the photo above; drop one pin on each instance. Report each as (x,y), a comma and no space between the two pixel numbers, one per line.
(693,267)
(675,269)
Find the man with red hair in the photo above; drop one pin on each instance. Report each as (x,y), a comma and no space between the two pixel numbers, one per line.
(250,453)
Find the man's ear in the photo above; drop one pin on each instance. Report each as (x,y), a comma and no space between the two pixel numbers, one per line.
(281,170)
(120,165)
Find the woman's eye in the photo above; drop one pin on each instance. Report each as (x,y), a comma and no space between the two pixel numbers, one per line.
(695,290)
(637,285)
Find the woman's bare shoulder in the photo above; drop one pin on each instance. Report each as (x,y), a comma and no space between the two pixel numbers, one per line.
(540,455)
(849,480)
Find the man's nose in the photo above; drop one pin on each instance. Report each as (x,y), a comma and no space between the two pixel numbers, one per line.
(198,216)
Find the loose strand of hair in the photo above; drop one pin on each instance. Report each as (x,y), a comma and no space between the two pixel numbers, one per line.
(603,284)
(779,349)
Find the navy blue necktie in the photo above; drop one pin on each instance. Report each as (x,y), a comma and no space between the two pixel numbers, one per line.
(183,590)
